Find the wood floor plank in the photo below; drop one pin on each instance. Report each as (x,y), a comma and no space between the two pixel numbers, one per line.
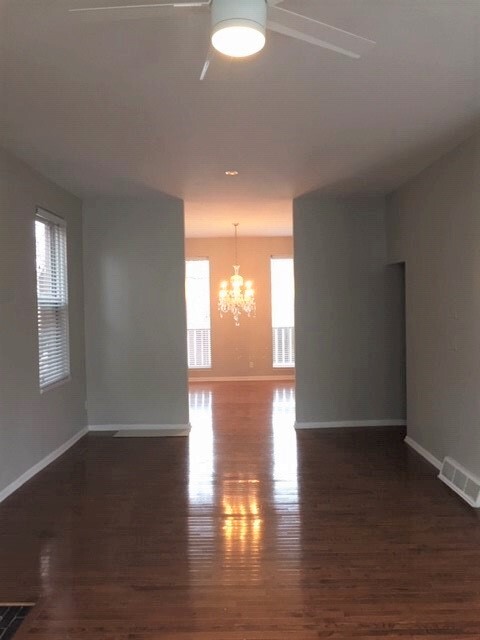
(243,531)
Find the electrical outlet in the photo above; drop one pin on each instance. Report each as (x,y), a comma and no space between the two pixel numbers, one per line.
(251,364)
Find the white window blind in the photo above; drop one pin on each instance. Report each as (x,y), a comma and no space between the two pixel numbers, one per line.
(52,298)
(197,289)
(283,312)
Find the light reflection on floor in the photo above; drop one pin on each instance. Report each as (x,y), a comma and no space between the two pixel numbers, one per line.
(228,507)
(200,449)
(242,530)
(284,440)
(285,488)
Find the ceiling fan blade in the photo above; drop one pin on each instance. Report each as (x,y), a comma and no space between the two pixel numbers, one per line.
(157,5)
(206,66)
(317,33)
(135,11)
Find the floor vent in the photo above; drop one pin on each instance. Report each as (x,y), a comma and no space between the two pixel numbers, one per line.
(11,617)
(461,481)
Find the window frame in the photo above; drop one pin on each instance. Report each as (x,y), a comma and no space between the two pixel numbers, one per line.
(51,220)
(209,329)
(291,364)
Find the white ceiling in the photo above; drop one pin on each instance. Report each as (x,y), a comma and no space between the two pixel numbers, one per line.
(109,107)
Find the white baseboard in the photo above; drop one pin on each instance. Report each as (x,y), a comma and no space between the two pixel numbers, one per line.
(138,427)
(240,378)
(423,452)
(350,423)
(25,477)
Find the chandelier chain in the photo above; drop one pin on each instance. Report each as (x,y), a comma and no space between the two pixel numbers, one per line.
(235,224)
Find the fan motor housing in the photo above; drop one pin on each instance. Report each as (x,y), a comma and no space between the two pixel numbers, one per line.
(239,12)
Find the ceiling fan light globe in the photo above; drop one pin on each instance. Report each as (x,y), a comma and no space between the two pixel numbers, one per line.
(238,38)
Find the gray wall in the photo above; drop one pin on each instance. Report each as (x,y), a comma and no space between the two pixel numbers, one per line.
(349,363)
(32,425)
(135,312)
(434,226)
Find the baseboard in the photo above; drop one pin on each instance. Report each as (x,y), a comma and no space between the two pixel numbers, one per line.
(240,378)
(28,475)
(423,452)
(137,427)
(350,423)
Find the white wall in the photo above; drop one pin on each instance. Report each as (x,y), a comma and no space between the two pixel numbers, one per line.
(32,425)
(349,364)
(434,226)
(135,312)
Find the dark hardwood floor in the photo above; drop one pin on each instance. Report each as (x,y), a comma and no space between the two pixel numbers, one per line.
(244,531)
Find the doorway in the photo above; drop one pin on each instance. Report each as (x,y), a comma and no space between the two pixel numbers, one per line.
(398,328)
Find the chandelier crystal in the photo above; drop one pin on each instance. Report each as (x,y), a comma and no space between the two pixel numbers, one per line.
(235,296)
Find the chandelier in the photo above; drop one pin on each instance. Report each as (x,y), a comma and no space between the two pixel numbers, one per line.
(235,297)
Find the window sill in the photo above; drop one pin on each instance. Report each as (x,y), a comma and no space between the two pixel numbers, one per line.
(55,385)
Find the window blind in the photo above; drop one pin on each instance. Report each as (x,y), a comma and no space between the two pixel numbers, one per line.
(52,298)
(199,349)
(283,346)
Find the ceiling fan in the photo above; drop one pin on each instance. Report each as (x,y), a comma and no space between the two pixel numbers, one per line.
(239,26)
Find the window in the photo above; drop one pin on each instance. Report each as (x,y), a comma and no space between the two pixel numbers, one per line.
(52,299)
(283,312)
(198,314)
